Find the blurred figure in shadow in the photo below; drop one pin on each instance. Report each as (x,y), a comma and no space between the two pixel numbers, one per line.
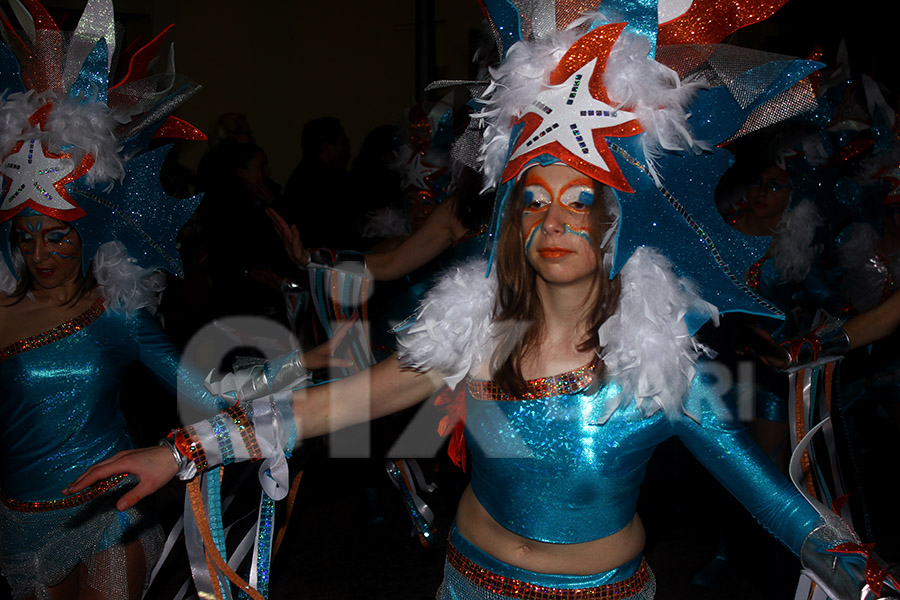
(318,196)
(227,126)
(371,173)
(244,264)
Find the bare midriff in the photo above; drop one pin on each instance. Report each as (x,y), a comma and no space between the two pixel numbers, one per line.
(584,558)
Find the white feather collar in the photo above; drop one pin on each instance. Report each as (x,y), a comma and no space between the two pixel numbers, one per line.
(647,347)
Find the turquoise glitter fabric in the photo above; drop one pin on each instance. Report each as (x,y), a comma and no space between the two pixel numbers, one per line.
(545,468)
(60,400)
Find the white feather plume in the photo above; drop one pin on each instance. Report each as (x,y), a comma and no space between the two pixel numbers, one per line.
(860,245)
(124,284)
(647,347)
(71,127)
(386,222)
(634,81)
(655,95)
(793,251)
(453,332)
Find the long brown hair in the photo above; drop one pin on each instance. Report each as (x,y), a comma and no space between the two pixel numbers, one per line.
(517,308)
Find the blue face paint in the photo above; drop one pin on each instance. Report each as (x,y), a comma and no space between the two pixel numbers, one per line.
(582,234)
(586,198)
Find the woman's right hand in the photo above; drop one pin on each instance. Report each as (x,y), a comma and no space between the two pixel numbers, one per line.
(290,238)
(154,467)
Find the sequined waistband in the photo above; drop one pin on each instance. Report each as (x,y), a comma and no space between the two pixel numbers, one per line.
(81,497)
(513,588)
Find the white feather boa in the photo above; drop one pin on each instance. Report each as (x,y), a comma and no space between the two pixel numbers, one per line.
(8,281)
(386,223)
(793,251)
(634,82)
(453,333)
(72,127)
(125,286)
(648,349)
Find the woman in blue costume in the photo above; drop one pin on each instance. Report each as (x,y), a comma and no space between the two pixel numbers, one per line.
(86,229)
(576,351)
(65,349)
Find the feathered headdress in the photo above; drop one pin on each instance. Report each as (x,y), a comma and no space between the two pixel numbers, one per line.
(639,96)
(75,144)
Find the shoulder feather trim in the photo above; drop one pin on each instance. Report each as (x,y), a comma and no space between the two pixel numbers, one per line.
(126,286)
(794,251)
(647,347)
(453,332)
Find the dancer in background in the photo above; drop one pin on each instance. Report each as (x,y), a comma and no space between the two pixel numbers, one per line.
(85,232)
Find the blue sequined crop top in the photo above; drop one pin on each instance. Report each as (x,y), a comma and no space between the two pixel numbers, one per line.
(546,469)
(60,397)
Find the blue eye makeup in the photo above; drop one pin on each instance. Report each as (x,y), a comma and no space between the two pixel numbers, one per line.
(577,198)
(58,236)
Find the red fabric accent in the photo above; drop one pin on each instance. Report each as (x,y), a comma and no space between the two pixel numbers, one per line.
(42,19)
(173,127)
(454,423)
(140,62)
(710,21)
(838,505)
(876,575)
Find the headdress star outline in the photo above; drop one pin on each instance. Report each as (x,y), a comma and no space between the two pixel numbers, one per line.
(570,119)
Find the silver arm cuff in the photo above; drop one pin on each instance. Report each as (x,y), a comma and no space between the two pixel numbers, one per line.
(830,341)
(842,579)
(186,468)
(275,375)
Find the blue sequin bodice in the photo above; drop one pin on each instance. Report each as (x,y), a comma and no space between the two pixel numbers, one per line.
(60,400)
(546,468)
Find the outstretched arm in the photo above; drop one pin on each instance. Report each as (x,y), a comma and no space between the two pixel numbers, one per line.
(875,323)
(440,230)
(384,389)
(438,233)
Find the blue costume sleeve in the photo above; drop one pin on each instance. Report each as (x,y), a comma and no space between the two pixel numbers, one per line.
(724,447)
(159,355)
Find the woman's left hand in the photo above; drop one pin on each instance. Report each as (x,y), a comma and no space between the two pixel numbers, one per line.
(323,355)
(290,238)
(154,468)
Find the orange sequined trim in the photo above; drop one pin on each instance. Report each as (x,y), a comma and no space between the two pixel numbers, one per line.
(81,497)
(513,588)
(75,325)
(248,432)
(472,233)
(544,387)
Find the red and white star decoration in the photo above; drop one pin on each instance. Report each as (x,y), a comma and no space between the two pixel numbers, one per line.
(36,178)
(419,173)
(572,117)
